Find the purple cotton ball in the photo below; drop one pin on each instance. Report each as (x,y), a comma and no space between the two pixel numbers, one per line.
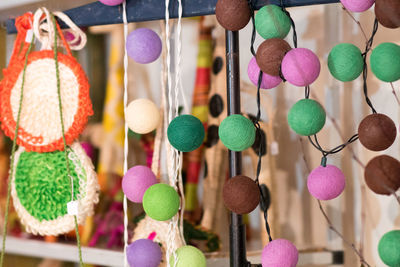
(143,253)
(89,149)
(326,183)
(279,253)
(268,81)
(136,181)
(111,2)
(143,45)
(300,66)
(357,5)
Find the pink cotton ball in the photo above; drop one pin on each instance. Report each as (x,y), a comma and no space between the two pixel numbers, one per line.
(326,183)
(300,66)
(279,253)
(136,181)
(357,5)
(111,2)
(268,81)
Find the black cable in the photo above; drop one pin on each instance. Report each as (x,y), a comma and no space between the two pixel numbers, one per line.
(334,150)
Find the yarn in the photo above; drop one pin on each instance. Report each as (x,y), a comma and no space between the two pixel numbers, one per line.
(326,183)
(143,45)
(241,194)
(144,253)
(161,202)
(272,22)
(186,133)
(279,253)
(306,117)
(385,62)
(345,62)
(236,132)
(388,13)
(382,174)
(142,116)
(389,248)
(233,15)
(111,2)
(300,66)
(188,256)
(268,81)
(89,149)
(270,54)
(357,5)
(136,181)
(377,132)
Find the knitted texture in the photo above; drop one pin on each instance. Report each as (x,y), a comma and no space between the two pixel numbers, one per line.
(144,252)
(345,62)
(233,15)
(272,22)
(161,202)
(142,116)
(268,81)
(389,248)
(357,5)
(270,54)
(186,133)
(382,174)
(143,45)
(236,132)
(188,256)
(136,181)
(326,183)
(241,194)
(388,13)
(385,62)
(279,253)
(306,117)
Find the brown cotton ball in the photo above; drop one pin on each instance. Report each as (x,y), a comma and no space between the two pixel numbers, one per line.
(382,174)
(241,194)
(377,132)
(270,54)
(233,15)
(388,13)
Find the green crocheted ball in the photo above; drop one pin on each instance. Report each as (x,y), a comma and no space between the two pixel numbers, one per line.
(161,202)
(385,62)
(237,132)
(188,256)
(389,248)
(272,22)
(345,62)
(186,133)
(42,184)
(306,117)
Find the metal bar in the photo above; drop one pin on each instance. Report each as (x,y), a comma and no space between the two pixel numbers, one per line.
(237,234)
(144,10)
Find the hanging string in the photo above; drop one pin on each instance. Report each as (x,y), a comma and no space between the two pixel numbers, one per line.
(314,141)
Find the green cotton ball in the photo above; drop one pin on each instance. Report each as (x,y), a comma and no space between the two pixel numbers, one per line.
(306,117)
(161,202)
(389,248)
(188,256)
(272,22)
(186,133)
(385,62)
(237,132)
(345,62)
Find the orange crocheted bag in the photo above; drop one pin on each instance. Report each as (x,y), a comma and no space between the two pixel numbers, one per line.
(40,128)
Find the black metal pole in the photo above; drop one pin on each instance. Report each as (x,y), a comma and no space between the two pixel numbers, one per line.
(237,235)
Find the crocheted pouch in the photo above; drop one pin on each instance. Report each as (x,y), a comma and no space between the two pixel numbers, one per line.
(40,128)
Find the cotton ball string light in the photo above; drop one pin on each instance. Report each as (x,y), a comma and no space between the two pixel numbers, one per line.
(161,202)
(144,252)
(111,2)
(326,182)
(382,174)
(241,194)
(142,116)
(143,45)
(357,5)
(385,62)
(279,253)
(377,132)
(345,62)
(188,256)
(272,22)
(136,181)
(237,132)
(389,248)
(300,66)
(233,15)
(388,13)
(270,54)
(268,81)
(306,117)
(186,133)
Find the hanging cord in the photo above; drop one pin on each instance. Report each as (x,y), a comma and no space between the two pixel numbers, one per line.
(14,148)
(78,239)
(335,150)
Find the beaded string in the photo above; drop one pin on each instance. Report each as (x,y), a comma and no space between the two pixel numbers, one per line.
(13,150)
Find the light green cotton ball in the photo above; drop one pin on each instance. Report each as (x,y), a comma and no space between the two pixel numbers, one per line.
(188,256)
(389,248)
(237,132)
(161,202)
(385,62)
(272,22)
(345,62)
(306,117)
